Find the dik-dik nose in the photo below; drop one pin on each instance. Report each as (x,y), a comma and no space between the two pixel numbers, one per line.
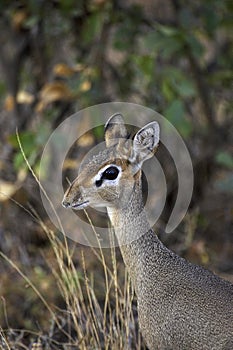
(66,203)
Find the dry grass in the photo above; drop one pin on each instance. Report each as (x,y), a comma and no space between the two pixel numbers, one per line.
(84,323)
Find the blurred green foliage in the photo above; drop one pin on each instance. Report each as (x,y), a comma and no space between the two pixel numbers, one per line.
(225,159)
(175,58)
(32,143)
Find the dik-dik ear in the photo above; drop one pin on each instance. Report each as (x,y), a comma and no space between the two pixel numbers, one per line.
(114,129)
(145,143)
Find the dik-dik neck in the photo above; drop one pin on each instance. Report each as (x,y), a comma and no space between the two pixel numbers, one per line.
(129,219)
(133,232)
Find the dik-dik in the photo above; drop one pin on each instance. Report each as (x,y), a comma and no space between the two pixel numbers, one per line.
(180,305)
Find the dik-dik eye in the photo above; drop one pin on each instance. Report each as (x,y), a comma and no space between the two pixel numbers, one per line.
(110,173)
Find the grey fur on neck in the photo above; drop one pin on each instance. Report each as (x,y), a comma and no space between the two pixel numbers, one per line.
(171,291)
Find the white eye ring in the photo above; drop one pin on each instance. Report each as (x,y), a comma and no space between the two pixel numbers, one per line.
(100,178)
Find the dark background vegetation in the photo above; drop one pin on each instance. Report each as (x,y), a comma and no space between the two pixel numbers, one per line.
(60,56)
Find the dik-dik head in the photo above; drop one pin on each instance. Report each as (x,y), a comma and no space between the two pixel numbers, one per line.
(108,178)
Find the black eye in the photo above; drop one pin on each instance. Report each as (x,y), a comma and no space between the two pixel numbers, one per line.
(110,173)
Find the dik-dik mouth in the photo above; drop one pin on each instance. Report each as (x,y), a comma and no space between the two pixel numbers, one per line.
(76,206)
